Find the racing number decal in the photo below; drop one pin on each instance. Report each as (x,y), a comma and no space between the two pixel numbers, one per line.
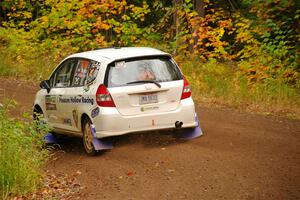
(50,101)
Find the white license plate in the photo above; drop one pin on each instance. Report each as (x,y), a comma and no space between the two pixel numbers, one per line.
(146,99)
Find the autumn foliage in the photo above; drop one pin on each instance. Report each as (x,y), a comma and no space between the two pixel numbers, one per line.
(256,40)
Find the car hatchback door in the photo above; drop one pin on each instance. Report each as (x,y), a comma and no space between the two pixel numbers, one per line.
(145,85)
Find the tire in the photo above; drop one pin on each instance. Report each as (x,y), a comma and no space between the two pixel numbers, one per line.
(88,138)
(37,113)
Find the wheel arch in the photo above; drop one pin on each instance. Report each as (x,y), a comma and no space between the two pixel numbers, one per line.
(37,109)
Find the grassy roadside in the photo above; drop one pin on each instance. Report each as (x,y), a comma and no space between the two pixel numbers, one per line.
(223,84)
(22,155)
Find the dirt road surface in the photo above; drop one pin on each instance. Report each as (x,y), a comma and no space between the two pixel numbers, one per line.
(240,156)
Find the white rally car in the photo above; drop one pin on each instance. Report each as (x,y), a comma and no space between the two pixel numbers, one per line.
(115,91)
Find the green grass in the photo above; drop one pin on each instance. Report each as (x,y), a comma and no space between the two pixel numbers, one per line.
(22,156)
(223,84)
(22,58)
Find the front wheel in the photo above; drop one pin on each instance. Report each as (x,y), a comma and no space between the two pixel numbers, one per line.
(88,138)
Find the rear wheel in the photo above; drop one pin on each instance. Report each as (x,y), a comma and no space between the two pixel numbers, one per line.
(88,138)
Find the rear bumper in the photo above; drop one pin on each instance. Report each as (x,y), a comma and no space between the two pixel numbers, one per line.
(111,123)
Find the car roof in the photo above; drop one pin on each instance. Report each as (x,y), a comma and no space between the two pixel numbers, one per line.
(118,53)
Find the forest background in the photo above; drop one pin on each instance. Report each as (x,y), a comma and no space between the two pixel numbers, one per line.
(238,53)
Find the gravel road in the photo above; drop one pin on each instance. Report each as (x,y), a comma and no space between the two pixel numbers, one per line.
(240,156)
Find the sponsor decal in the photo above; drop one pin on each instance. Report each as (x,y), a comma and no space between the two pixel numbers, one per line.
(67,121)
(86,88)
(50,101)
(85,100)
(143,109)
(120,64)
(95,112)
(75,117)
(93,71)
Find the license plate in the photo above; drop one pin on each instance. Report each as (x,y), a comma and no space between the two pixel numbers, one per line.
(146,99)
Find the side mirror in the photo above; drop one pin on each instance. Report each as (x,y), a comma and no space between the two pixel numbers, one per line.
(45,85)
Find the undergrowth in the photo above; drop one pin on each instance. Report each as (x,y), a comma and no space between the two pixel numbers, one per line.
(257,81)
(223,84)
(22,58)
(22,155)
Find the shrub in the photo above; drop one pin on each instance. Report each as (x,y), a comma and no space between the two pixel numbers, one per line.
(223,83)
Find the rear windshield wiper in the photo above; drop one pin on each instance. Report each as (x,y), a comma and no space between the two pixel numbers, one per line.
(145,81)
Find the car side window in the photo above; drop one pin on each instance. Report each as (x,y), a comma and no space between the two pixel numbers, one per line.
(62,77)
(85,72)
(93,71)
(81,72)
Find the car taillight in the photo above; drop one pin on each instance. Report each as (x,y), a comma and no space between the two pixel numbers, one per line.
(103,97)
(186,92)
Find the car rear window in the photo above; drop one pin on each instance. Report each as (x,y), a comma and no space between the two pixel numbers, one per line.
(161,69)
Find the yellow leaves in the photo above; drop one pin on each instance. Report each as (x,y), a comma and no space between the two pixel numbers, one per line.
(125,17)
(100,40)
(44,20)
(27,14)
(219,33)
(101,25)
(105,26)
(133,38)
(117,30)
(139,13)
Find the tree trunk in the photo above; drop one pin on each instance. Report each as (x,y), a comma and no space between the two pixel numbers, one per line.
(199,7)
(176,22)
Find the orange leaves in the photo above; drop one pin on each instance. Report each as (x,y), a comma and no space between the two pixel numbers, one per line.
(204,35)
(101,41)
(100,24)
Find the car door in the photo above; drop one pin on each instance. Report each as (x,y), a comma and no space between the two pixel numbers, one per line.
(60,80)
(78,99)
(80,93)
(72,97)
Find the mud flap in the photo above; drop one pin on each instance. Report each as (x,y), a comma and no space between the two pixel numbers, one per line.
(191,133)
(49,138)
(100,144)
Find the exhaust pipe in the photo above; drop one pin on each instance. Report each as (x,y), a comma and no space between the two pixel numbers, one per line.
(178,124)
